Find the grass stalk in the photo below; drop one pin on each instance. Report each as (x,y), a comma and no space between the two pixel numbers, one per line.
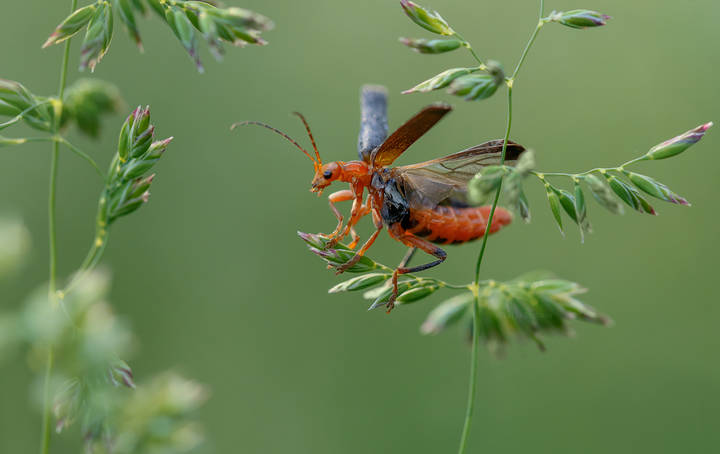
(474,358)
(52,232)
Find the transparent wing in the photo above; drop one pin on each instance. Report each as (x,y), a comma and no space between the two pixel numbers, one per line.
(430,183)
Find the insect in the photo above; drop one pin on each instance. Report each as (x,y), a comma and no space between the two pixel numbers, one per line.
(421,205)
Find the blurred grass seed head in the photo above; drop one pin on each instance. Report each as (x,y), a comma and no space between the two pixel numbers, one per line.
(186,19)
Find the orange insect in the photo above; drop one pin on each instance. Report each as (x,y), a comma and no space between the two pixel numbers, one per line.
(420,204)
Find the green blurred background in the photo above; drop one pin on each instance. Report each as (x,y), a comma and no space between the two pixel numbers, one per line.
(217,285)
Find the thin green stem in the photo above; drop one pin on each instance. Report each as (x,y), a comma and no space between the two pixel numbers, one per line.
(97,248)
(424,279)
(51,218)
(52,292)
(542,175)
(60,139)
(22,114)
(467,45)
(91,259)
(633,161)
(38,139)
(45,447)
(81,154)
(472,389)
(52,233)
(499,189)
(530,42)
(455,287)
(620,168)
(474,359)
(24,140)
(64,141)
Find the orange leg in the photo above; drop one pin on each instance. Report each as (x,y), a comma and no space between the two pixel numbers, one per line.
(410,240)
(364,211)
(358,255)
(339,196)
(355,238)
(358,211)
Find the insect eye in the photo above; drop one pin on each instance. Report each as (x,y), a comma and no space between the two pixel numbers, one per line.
(327,174)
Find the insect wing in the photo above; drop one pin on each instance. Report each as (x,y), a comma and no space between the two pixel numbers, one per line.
(445,179)
(407,134)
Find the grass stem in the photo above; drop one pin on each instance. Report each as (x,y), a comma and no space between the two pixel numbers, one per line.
(52,233)
(472,389)
(474,358)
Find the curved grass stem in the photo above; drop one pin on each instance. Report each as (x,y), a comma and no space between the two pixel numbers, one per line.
(57,138)
(91,259)
(22,114)
(474,358)
(529,44)
(499,189)
(439,282)
(81,154)
(468,46)
(574,176)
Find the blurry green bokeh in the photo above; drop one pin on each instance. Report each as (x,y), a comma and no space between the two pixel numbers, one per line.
(218,286)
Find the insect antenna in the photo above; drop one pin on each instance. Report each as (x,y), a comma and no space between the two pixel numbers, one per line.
(312,139)
(290,139)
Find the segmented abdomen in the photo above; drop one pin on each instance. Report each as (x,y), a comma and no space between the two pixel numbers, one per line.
(453,225)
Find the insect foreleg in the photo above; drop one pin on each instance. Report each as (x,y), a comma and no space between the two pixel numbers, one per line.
(339,196)
(410,240)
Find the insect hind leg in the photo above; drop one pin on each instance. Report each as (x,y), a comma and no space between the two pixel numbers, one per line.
(408,256)
(412,241)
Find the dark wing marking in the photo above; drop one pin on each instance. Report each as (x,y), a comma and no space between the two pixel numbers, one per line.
(407,134)
(429,183)
(373,120)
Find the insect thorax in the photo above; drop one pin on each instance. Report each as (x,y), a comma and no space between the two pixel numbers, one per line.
(394,205)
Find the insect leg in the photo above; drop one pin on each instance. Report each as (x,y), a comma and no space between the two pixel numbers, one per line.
(358,255)
(408,256)
(364,210)
(355,238)
(339,196)
(410,240)
(403,263)
(356,213)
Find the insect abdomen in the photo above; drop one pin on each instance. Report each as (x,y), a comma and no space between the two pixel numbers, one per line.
(453,225)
